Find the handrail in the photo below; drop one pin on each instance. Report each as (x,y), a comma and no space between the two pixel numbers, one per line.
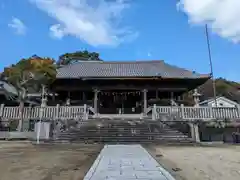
(199,113)
(82,112)
(48,112)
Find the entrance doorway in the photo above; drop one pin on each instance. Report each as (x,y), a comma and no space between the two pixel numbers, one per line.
(120,102)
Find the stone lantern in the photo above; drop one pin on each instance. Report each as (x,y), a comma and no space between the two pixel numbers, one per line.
(196,97)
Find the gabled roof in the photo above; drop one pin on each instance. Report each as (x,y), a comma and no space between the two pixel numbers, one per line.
(103,69)
(211,100)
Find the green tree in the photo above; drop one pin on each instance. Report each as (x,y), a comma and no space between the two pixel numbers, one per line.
(70,58)
(34,73)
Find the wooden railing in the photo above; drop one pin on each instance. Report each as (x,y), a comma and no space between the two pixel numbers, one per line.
(195,113)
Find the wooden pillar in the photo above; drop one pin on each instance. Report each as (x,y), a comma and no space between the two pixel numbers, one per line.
(145,100)
(171,98)
(53,96)
(68,100)
(96,91)
(84,97)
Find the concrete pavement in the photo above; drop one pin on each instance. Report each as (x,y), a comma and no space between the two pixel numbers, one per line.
(125,162)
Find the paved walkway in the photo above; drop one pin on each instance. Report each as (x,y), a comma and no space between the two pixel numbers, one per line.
(125,162)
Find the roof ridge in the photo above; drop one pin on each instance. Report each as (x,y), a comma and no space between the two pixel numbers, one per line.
(116,62)
(127,62)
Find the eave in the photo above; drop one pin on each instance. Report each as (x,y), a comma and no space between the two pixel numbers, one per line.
(135,78)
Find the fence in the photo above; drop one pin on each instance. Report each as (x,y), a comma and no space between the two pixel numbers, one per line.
(199,113)
(81,112)
(48,112)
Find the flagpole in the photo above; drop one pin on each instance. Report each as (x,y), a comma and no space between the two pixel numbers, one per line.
(211,64)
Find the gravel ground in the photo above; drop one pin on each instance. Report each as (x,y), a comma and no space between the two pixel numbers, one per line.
(200,163)
(24,161)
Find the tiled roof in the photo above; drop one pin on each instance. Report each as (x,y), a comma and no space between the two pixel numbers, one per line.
(101,69)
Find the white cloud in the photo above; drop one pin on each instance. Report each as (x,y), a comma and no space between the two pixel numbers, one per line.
(96,22)
(56,31)
(18,26)
(222,16)
(149,54)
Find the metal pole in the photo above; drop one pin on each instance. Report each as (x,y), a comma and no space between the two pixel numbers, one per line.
(211,65)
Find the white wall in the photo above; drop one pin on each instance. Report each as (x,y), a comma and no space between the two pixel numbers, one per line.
(221,103)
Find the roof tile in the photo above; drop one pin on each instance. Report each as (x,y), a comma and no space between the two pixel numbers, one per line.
(124,69)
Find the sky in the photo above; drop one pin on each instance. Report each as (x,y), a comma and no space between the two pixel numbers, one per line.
(125,30)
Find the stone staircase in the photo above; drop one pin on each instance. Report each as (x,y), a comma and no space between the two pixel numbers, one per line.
(125,131)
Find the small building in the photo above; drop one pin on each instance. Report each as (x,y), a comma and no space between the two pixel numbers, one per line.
(221,102)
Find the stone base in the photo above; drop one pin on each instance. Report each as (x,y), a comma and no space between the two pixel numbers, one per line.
(17,135)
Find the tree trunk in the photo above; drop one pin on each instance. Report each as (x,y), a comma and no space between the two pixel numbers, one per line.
(20,123)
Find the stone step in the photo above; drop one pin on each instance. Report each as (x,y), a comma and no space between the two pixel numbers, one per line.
(124,140)
(125,126)
(121,131)
(119,136)
(163,141)
(123,134)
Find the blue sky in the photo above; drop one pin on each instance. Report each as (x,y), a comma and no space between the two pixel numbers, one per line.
(125,30)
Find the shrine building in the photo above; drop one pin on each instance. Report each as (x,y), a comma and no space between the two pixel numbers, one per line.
(122,87)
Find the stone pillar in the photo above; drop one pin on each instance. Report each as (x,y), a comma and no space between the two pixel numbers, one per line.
(44,97)
(96,91)
(145,100)
(194,129)
(194,125)
(1,110)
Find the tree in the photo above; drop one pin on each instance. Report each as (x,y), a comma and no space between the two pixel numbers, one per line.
(226,88)
(34,73)
(70,58)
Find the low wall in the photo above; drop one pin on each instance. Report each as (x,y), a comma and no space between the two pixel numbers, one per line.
(44,128)
(217,134)
(17,135)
